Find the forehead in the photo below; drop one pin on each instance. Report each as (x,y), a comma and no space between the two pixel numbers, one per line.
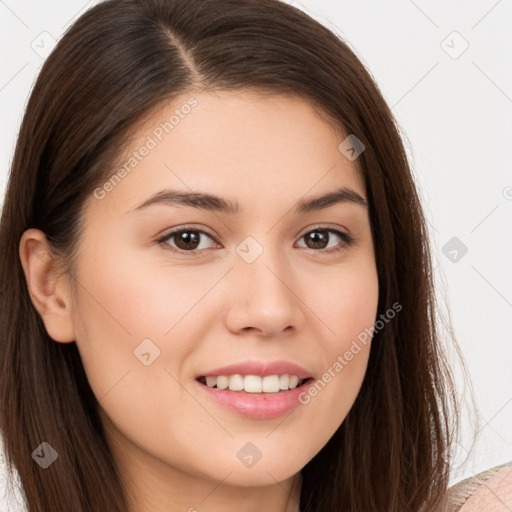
(249,146)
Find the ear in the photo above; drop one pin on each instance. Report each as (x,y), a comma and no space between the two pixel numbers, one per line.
(48,289)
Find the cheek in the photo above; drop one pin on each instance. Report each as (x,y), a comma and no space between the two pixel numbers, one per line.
(347,309)
(121,308)
(115,313)
(345,301)
(132,295)
(126,299)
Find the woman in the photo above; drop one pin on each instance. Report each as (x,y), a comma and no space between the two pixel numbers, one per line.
(216,287)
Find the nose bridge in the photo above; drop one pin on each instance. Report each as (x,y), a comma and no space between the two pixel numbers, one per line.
(261,263)
(264,297)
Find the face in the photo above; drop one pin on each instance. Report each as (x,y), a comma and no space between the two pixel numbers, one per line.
(179,294)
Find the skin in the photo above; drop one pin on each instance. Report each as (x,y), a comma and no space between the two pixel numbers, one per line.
(176,448)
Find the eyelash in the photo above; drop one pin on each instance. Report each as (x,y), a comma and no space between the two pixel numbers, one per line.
(348,240)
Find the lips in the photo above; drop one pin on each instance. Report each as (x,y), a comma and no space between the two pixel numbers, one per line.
(261,398)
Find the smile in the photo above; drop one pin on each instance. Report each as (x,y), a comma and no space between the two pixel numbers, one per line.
(253,383)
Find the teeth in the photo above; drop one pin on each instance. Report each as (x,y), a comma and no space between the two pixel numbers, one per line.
(211,381)
(222,382)
(254,383)
(270,384)
(294,381)
(236,383)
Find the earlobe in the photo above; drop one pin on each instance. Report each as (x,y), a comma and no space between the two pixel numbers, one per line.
(47,287)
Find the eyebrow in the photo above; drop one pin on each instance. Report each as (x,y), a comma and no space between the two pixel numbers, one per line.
(214,203)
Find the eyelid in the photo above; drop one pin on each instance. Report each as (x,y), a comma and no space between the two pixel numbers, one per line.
(323,226)
(301,233)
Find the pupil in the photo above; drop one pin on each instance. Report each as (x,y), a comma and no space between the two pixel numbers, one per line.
(318,237)
(186,238)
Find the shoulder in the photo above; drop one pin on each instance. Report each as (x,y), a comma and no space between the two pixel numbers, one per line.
(490,490)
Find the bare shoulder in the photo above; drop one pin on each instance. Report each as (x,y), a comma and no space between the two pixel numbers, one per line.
(490,490)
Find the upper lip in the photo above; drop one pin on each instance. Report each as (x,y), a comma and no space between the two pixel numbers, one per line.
(262,368)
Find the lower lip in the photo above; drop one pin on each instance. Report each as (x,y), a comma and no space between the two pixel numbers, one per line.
(258,406)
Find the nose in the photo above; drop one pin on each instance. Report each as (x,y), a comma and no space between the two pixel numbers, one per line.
(263,297)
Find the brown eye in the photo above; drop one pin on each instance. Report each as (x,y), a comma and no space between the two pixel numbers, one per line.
(319,239)
(186,240)
(190,240)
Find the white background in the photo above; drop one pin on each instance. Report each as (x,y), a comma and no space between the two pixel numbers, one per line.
(455,110)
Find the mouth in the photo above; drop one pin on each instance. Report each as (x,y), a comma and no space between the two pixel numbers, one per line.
(254,384)
(259,390)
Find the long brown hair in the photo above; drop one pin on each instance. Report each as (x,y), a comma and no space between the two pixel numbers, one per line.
(121,59)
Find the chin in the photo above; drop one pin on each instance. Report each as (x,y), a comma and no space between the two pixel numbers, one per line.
(267,470)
